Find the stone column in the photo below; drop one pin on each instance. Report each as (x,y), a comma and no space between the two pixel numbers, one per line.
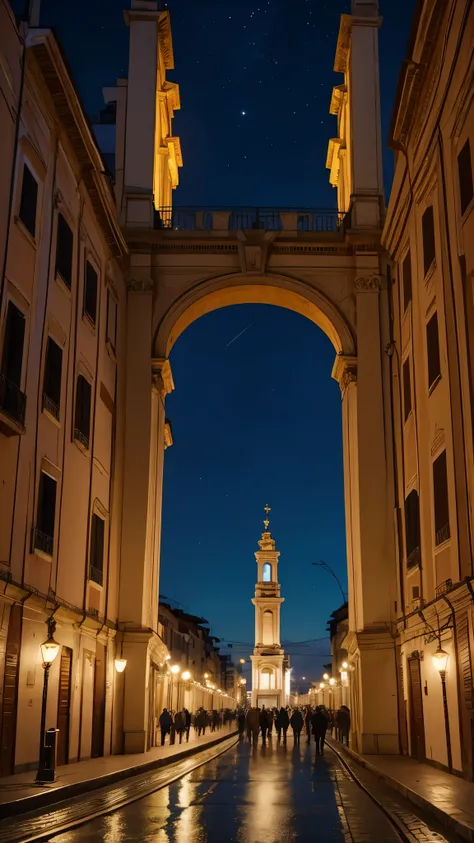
(364,102)
(370,546)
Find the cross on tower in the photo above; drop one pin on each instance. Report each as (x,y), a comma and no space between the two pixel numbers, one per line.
(266,521)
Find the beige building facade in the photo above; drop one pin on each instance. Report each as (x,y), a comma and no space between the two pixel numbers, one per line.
(429,236)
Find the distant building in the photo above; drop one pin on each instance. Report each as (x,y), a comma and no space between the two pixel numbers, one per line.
(429,236)
(268,673)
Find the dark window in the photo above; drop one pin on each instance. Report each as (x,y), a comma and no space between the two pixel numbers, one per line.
(28,201)
(441,505)
(52,378)
(82,418)
(432,343)
(90,292)
(96,568)
(406,389)
(427,224)
(466,186)
(412,528)
(64,246)
(44,533)
(12,355)
(406,273)
(111,320)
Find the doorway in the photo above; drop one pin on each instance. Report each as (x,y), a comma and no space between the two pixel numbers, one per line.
(98,711)
(10,692)
(64,704)
(417,725)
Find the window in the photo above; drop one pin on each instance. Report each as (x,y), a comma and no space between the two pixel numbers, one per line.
(12,400)
(267,679)
(267,572)
(52,378)
(427,225)
(466,186)
(111,320)
(406,389)
(64,246)
(82,417)
(44,533)
(432,344)
(28,200)
(96,566)
(441,505)
(406,275)
(412,528)
(90,292)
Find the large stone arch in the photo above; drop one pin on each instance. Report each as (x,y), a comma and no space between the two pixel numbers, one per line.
(275,289)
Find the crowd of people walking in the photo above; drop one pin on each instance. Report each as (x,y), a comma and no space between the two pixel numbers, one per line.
(313,721)
(177,724)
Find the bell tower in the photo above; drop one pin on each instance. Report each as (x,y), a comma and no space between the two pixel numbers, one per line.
(268,681)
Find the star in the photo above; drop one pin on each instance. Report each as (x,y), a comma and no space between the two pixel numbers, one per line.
(243,113)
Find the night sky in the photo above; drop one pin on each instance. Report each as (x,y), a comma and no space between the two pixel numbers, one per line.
(257,419)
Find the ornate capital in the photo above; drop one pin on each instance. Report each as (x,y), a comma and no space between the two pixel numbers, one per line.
(345,371)
(369,284)
(161,377)
(140,285)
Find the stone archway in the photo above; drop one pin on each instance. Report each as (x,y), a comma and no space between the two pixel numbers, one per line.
(326,265)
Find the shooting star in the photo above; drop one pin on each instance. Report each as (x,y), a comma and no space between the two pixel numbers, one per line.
(239,335)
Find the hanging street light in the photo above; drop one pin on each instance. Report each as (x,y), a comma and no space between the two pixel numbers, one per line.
(49,650)
(120,665)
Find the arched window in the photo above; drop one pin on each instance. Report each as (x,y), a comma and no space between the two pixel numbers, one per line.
(267,624)
(267,572)
(267,679)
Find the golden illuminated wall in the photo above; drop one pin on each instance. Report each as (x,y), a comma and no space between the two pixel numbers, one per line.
(167,158)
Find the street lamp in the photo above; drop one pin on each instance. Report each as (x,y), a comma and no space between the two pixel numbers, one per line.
(440,662)
(242,661)
(186,675)
(325,676)
(175,669)
(120,665)
(49,650)
(332,681)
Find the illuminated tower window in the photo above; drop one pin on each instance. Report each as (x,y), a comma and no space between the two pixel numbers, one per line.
(267,572)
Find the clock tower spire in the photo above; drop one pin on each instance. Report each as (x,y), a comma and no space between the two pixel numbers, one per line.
(268,685)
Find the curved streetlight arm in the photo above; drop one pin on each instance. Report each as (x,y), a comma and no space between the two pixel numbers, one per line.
(321,564)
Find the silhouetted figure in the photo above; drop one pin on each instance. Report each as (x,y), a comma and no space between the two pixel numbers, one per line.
(319,722)
(307,723)
(282,722)
(343,724)
(201,722)
(296,724)
(187,722)
(166,722)
(241,724)
(179,725)
(264,723)
(252,722)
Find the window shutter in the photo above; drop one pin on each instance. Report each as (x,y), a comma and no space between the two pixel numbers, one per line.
(406,389)
(28,201)
(52,372)
(432,343)
(441,503)
(46,505)
(407,287)
(64,249)
(90,292)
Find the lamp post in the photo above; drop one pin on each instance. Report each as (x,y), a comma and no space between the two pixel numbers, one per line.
(49,651)
(440,661)
(324,565)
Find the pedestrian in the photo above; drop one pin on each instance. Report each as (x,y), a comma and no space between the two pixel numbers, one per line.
(296,724)
(201,721)
(179,725)
(307,723)
(187,722)
(263,719)
(269,722)
(343,724)
(166,721)
(252,723)
(319,723)
(172,729)
(241,724)
(282,722)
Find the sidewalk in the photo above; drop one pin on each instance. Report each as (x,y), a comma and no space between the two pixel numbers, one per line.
(444,796)
(20,793)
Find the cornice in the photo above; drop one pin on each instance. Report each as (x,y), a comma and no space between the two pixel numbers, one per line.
(337,99)
(166,41)
(343,44)
(344,371)
(332,160)
(162,378)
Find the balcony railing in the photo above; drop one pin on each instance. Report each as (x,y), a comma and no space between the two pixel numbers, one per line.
(12,400)
(81,437)
(246,219)
(442,535)
(414,558)
(50,406)
(42,542)
(443,587)
(96,575)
